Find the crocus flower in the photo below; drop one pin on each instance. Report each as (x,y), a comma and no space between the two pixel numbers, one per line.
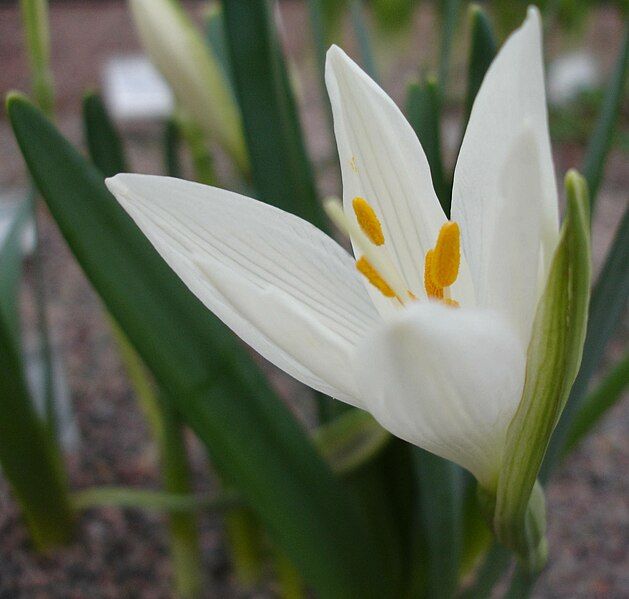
(427,326)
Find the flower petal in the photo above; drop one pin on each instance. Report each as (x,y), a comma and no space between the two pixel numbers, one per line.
(504,181)
(448,380)
(383,162)
(283,286)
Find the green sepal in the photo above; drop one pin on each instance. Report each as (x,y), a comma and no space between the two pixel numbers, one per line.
(553,360)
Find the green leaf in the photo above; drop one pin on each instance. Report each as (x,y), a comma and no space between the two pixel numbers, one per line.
(595,404)
(489,573)
(29,458)
(172,141)
(483,49)
(423,110)
(106,151)
(449,13)
(393,16)
(351,440)
(102,139)
(441,520)
(254,440)
(215,37)
(609,299)
(477,536)
(553,359)
(362,37)
(601,141)
(11,268)
(281,171)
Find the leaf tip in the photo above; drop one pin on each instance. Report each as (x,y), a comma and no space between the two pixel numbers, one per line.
(14,97)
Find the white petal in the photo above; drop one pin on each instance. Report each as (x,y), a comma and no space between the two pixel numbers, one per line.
(494,197)
(283,286)
(448,380)
(383,161)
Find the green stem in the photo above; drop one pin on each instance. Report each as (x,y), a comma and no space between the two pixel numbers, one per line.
(146,499)
(37,34)
(196,142)
(37,37)
(186,553)
(168,433)
(290,583)
(244,538)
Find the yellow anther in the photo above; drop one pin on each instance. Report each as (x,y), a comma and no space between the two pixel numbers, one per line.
(432,289)
(447,255)
(373,276)
(450,302)
(368,221)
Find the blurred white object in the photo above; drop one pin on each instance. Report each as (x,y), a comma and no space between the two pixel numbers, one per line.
(10,203)
(134,89)
(570,74)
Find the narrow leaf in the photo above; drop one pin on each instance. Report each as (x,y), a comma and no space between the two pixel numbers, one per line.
(253,439)
(362,37)
(449,12)
(601,141)
(492,569)
(441,516)
(423,111)
(101,137)
(281,171)
(28,457)
(483,48)
(596,404)
(171,141)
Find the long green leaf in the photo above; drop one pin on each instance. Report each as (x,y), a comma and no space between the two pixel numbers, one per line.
(423,110)
(609,299)
(282,173)
(601,141)
(11,267)
(254,440)
(29,456)
(171,142)
(489,573)
(597,403)
(483,48)
(362,38)
(106,151)
(102,140)
(441,521)
(449,12)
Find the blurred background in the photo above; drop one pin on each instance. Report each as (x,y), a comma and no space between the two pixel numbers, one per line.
(123,553)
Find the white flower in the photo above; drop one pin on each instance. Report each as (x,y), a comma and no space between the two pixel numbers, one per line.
(437,357)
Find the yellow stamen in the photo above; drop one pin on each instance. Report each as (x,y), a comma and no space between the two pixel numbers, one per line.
(432,289)
(368,221)
(373,276)
(450,302)
(445,261)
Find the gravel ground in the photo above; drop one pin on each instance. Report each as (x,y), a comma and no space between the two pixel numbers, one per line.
(124,553)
